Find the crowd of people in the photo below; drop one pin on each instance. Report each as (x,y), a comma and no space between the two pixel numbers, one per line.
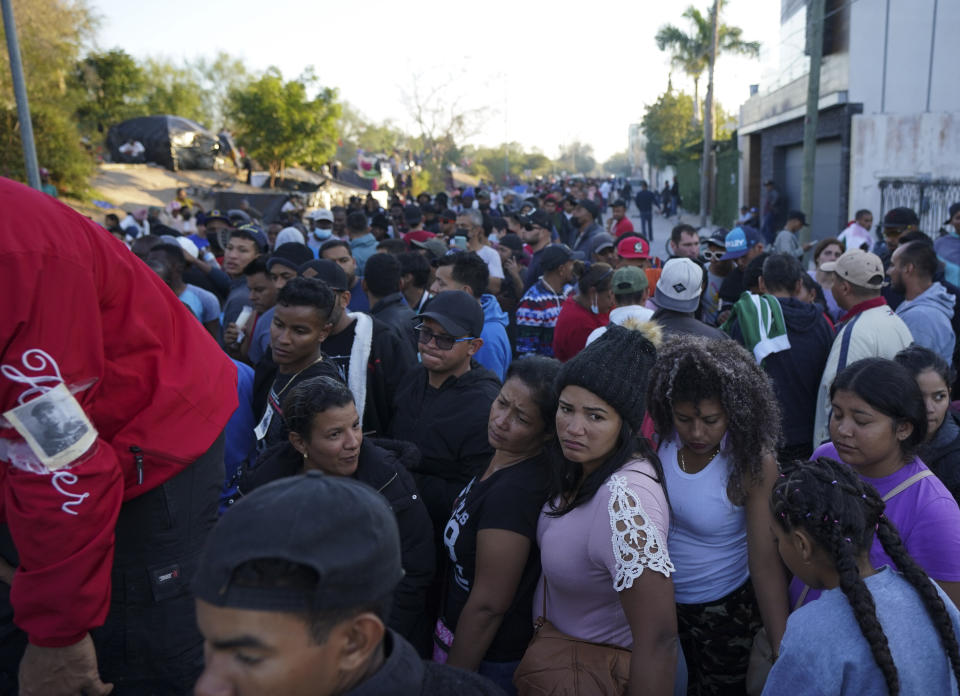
(479,442)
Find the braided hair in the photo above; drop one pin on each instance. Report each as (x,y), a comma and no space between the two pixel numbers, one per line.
(840,512)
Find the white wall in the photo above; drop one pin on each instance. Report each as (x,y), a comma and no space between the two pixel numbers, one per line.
(907,56)
(900,145)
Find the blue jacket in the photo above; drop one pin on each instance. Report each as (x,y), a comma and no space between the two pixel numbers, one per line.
(240,442)
(362,248)
(495,354)
(928,317)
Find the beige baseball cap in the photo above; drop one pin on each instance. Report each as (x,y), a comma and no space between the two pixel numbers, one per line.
(858,267)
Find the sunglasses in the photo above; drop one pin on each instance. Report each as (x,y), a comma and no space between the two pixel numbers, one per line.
(442,341)
(712,255)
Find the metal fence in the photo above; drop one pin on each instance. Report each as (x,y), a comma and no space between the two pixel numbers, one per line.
(929,198)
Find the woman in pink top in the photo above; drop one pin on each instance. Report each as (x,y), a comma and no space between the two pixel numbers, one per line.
(603,531)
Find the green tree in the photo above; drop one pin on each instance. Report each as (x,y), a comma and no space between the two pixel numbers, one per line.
(618,164)
(668,127)
(110,88)
(218,77)
(176,90)
(279,123)
(690,52)
(51,34)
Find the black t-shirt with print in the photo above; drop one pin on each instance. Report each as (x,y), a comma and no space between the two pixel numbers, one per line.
(337,348)
(510,499)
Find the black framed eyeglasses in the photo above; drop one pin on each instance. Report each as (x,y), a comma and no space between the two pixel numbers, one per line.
(442,341)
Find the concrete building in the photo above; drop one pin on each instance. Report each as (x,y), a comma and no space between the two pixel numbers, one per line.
(889,121)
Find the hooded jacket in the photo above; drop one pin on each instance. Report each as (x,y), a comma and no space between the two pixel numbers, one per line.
(929,316)
(495,354)
(449,426)
(150,379)
(383,465)
(796,372)
(394,311)
(942,453)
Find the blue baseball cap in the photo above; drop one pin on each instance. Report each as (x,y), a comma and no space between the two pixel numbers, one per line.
(740,240)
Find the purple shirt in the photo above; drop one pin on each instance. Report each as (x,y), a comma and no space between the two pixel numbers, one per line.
(925,514)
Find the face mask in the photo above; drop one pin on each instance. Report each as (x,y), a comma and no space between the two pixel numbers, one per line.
(594,307)
(322,234)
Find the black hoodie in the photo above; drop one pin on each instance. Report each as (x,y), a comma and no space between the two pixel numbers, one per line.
(796,373)
(942,453)
(449,426)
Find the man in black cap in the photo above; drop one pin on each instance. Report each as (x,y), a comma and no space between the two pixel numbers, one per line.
(339,251)
(415,230)
(896,222)
(369,353)
(540,305)
(443,403)
(786,241)
(293,602)
(584,219)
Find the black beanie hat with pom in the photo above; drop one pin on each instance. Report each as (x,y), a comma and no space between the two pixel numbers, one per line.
(615,367)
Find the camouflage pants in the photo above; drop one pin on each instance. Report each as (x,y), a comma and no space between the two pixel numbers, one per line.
(716,639)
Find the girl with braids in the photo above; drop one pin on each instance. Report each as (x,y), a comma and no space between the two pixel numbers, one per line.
(719,426)
(877,424)
(325,435)
(940,450)
(873,630)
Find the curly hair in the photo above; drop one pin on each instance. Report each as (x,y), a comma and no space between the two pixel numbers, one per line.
(840,512)
(693,368)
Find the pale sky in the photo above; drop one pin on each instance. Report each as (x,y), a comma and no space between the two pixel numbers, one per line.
(549,73)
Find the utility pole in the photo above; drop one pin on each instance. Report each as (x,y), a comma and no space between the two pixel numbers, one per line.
(20,93)
(815,46)
(706,161)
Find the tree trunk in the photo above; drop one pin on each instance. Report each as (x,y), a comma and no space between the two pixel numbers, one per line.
(696,100)
(706,161)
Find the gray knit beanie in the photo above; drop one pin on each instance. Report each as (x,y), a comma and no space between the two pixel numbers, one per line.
(615,367)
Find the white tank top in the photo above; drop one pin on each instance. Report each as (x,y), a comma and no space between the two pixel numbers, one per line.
(708,533)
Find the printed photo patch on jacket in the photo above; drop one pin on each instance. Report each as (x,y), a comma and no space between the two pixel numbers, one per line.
(54,426)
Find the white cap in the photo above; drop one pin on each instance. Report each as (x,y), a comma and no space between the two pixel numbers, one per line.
(321,214)
(189,248)
(680,284)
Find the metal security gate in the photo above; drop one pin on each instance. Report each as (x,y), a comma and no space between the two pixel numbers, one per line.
(929,198)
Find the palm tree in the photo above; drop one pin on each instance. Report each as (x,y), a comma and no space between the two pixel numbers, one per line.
(691,52)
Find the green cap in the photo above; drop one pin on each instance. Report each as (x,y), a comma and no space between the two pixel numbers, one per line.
(629,280)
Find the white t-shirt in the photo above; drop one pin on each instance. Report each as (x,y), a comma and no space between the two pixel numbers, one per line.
(492,257)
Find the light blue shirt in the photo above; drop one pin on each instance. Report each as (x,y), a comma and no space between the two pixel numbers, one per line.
(824,652)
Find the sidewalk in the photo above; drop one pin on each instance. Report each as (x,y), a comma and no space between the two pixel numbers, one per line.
(662,227)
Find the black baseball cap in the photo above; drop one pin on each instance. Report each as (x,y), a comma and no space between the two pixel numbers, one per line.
(341,528)
(555,256)
(900,217)
(412,214)
(326,270)
(541,219)
(292,255)
(457,312)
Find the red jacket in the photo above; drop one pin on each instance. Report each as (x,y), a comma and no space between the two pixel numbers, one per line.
(159,382)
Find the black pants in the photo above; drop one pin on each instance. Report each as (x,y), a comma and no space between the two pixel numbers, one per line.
(149,644)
